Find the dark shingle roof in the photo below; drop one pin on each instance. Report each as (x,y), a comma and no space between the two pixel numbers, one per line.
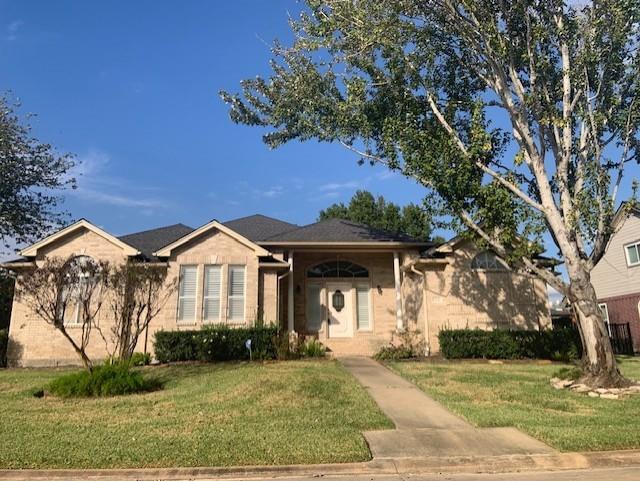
(259,227)
(338,230)
(149,241)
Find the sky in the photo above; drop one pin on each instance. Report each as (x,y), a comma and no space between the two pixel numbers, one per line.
(131,89)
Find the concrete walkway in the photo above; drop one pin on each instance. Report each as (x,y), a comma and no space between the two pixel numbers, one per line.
(424,428)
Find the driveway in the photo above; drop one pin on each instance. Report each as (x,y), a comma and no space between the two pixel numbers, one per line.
(424,428)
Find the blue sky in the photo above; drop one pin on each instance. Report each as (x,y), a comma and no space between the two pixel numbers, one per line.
(131,88)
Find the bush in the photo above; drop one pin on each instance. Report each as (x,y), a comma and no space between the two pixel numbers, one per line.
(4,341)
(555,344)
(216,343)
(105,380)
(409,344)
(140,359)
(571,373)
(313,348)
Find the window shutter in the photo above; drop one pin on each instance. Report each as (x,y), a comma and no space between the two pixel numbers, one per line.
(314,307)
(236,293)
(362,299)
(212,288)
(187,293)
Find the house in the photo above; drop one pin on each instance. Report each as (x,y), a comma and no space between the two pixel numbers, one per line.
(346,284)
(616,277)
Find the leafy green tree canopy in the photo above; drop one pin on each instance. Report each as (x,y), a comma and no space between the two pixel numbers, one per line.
(30,173)
(364,208)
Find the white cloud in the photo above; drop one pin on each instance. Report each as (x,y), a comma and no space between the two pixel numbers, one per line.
(12,29)
(333,186)
(272,192)
(96,185)
(555,297)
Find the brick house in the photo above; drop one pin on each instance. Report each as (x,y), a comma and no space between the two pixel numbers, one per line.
(616,277)
(346,284)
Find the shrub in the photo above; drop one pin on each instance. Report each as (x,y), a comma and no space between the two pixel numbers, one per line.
(216,343)
(407,344)
(572,373)
(4,341)
(140,359)
(105,380)
(312,348)
(555,344)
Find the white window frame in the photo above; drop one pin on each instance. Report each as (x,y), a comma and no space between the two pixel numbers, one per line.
(195,296)
(205,297)
(369,307)
(605,313)
(635,244)
(230,296)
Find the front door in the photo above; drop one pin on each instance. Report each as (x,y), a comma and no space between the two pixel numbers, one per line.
(339,310)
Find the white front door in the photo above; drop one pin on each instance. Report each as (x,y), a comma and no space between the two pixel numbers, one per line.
(340,309)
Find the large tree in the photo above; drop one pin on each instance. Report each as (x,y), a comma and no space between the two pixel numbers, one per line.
(30,173)
(412,84)
(377,212)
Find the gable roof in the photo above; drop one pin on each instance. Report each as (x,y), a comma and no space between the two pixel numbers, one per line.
(259,227)
(32,250)
(148,241)
(165,251)
(341,231)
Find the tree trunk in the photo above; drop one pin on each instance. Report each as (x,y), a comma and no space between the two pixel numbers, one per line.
(598,360)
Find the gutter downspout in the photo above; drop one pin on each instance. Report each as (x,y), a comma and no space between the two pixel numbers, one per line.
(424,307)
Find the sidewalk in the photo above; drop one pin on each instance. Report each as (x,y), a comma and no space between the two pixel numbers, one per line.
(424,428)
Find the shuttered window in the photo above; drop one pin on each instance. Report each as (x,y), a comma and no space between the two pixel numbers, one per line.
(236,293)
(187,293)
(211,293)
(364,311)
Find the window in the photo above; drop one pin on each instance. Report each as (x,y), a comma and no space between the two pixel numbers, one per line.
(487,260)
(187,293)
(364,308)
(211,293)
(337,269)
(78,275)
(633,254)
(236,293)
(314,307)
(605,314)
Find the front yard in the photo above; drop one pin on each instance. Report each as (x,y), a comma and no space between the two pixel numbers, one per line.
(519,395)
(207,415)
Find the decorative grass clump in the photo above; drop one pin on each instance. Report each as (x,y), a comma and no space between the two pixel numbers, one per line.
(313,348)
(103,381)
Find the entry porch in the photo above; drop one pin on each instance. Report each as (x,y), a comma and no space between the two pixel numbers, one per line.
(351,301)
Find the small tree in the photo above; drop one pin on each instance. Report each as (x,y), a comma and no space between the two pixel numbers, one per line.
(65,292)
(138,292)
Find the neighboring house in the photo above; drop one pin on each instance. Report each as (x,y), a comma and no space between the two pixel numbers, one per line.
(616,277)
(348,285)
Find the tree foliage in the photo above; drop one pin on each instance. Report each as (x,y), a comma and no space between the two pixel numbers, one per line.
(364,208)
(30,172)
(413,84)
(137,294)
(67,294)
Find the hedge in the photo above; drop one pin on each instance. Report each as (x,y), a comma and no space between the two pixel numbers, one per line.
(555,344)
(4,341)
(219,343)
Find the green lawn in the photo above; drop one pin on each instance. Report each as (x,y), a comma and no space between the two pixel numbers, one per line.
(519,395)
(207,415)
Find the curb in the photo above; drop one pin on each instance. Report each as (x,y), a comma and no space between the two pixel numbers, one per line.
(380,466)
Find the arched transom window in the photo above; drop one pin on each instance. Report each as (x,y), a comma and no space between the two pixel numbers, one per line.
(488,260)
(337,269)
